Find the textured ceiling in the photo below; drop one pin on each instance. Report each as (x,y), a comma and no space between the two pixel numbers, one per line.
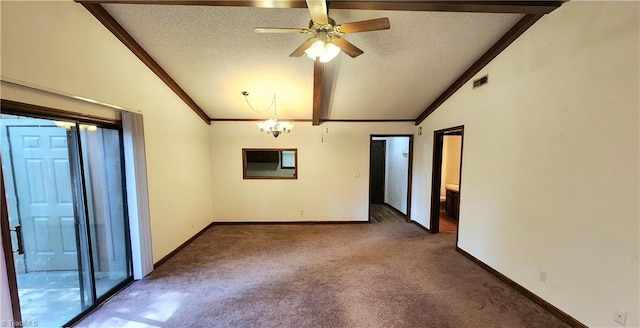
(214,55)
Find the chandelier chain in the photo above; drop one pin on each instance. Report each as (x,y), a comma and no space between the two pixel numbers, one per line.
(273,104)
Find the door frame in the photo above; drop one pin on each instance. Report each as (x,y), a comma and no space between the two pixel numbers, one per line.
(409,173)
(7,247)
(436,176)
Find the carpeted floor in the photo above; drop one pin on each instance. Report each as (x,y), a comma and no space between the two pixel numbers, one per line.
(343,275)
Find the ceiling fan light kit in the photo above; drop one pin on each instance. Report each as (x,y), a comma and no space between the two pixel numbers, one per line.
(327,41)
(322,50)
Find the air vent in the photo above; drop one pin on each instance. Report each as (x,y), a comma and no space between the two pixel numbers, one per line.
(481,81)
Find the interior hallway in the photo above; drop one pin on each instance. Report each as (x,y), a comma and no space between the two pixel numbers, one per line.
(383,213)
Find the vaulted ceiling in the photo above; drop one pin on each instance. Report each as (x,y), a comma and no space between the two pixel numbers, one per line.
(208,53)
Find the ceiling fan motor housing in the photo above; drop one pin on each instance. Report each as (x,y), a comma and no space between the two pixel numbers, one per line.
(325,32)
(329,25)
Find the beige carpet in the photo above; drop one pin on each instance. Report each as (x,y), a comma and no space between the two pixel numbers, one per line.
(360,275)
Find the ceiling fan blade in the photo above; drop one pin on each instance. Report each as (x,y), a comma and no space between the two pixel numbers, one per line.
(304,46)
(347,47)
(280,30)
(368,25)
(318,11)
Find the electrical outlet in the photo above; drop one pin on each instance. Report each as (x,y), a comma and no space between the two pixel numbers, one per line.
(301,212)
(191,225)
(357,175)
(620,317)
(542,276)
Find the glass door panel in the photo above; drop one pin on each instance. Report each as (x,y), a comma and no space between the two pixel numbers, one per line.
(42,203)
(106,208)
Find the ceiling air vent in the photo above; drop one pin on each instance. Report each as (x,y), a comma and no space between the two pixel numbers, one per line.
(481,81)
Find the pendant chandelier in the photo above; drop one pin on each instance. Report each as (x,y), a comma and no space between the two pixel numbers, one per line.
(274,127)
(271,126)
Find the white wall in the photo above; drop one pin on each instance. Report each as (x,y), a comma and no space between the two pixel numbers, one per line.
(451,151)
(443,174)
(60,46)
(550,174)
(26,94)
(327,188)
(397,173)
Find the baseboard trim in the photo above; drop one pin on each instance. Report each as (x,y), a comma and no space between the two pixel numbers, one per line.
(284,222)
(421,226)
(179,248)
(571,321)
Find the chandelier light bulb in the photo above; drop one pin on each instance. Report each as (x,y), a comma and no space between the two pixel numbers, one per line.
(274,127)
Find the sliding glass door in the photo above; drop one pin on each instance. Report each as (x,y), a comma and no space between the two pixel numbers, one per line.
(103,175)
(65,200)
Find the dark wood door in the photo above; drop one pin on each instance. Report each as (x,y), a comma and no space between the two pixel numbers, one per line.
(376,169)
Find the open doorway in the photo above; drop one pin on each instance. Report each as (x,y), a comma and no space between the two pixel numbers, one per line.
(390,178)
(446,179)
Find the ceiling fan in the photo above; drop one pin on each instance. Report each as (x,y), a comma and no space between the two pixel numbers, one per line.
(327,41)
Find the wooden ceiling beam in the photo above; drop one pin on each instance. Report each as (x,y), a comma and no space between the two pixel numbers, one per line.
(480,6)
(114,27)
(221,3)
(507,7)
(517,30)
(318,72)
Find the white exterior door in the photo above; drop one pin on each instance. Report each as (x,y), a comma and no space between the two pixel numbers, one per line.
(40,166)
